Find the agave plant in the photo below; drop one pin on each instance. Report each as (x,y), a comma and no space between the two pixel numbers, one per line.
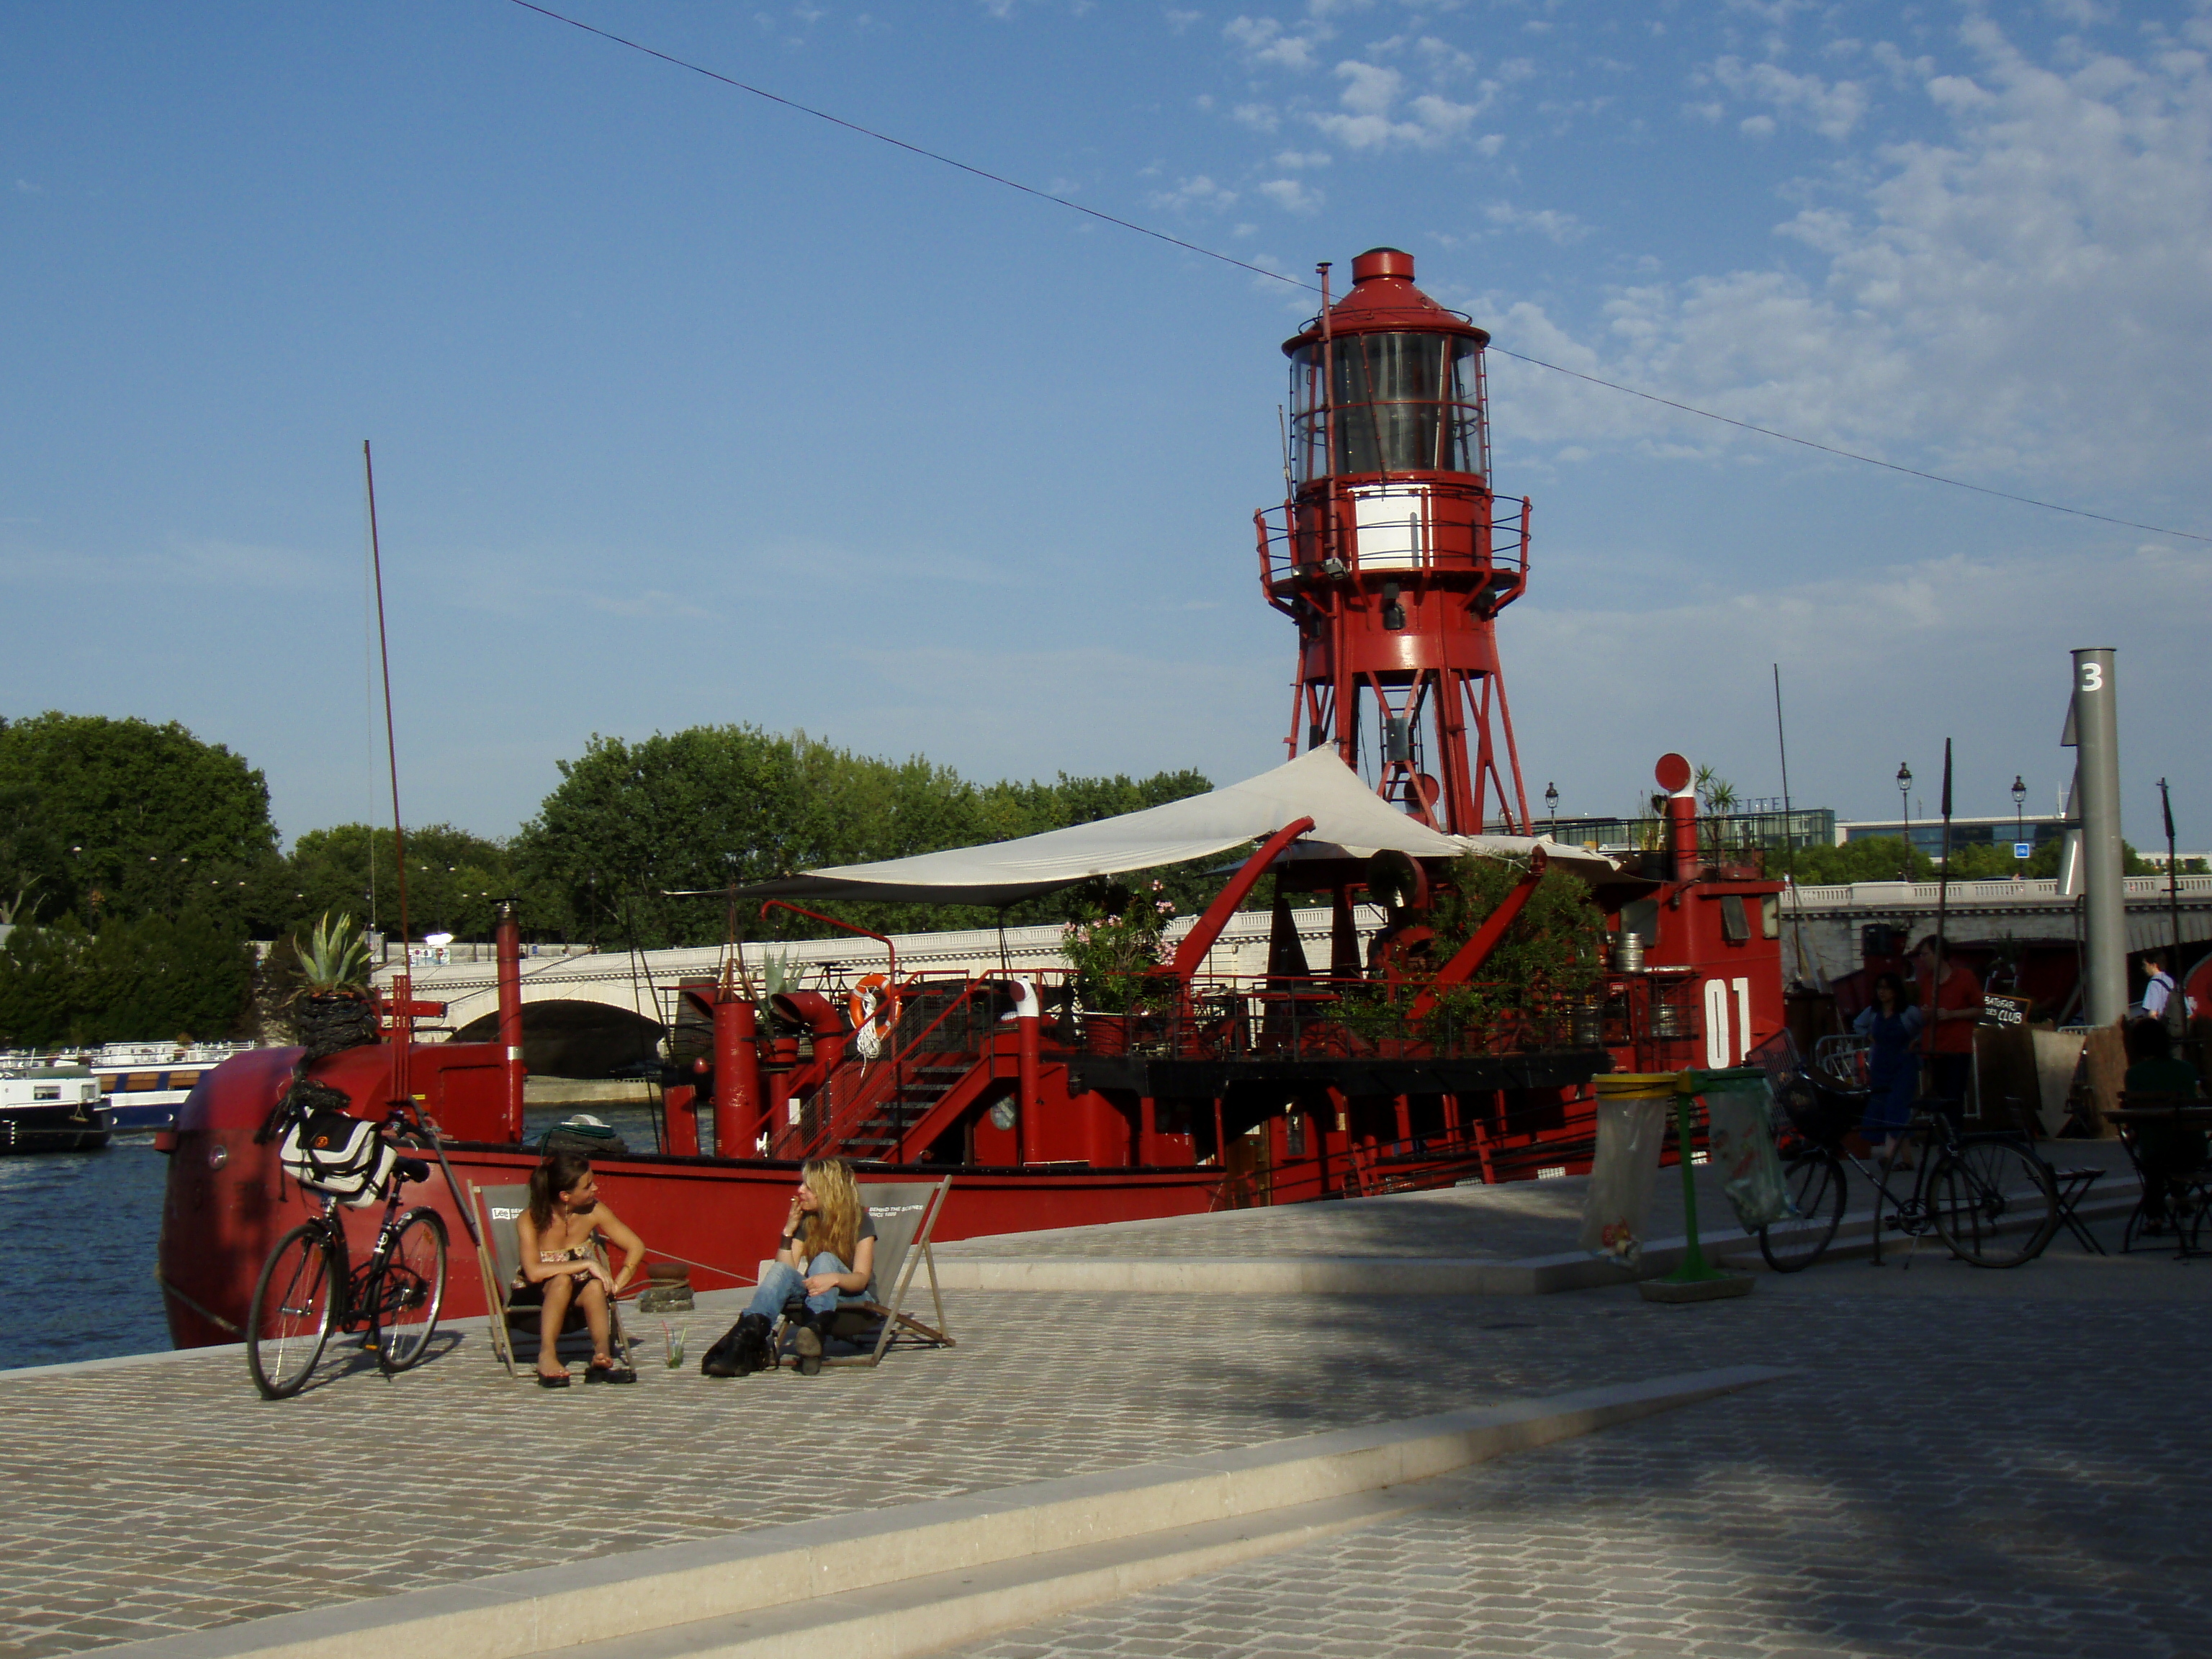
(333,959)
(781,973)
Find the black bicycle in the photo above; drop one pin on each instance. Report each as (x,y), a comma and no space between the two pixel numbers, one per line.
(309,1288)
(1986,1196)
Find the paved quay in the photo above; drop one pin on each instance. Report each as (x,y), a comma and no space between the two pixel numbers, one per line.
(1964,1461)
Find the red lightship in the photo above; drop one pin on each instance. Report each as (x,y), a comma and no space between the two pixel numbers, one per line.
(1214,1090)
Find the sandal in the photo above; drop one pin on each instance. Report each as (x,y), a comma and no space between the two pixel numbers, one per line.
(545,1382)
(605,1370)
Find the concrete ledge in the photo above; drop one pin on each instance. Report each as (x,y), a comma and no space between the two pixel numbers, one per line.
(1367,1275)
(615,1597)
(948,1610)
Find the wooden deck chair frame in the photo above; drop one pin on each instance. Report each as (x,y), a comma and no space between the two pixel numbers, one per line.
(497,1286)
(897,1327)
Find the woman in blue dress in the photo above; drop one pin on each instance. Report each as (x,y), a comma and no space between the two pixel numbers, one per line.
(1892,1023)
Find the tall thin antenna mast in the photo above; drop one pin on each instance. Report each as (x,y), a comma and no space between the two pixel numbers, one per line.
(384,656)
(1788,828)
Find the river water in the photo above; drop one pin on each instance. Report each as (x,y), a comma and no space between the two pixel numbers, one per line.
(78,1232)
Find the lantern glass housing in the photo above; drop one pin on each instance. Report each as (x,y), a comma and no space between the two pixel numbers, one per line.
(1404,403)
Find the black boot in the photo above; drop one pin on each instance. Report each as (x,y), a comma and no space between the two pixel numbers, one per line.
(742,1350)
(752,1345)
(810,1332)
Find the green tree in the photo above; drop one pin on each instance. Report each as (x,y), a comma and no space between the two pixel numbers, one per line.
(127,819)
(1871,858)
(631,823)
(151,978)
(455,881)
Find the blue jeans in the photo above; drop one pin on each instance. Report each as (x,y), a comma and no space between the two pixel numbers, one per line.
(782,1281)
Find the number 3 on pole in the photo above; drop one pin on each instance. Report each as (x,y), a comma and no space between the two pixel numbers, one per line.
(2092,676)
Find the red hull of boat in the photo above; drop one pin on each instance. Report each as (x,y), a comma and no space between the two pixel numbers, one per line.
(228,1203)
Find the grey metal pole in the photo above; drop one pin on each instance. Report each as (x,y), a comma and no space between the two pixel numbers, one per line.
(2097,738)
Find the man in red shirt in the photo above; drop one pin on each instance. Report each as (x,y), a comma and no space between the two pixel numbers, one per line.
(1951,1006)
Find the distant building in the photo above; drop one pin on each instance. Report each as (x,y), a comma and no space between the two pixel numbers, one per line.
(1766,826)
(1927,834)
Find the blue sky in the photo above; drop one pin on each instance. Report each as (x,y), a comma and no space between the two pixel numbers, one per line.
(687,408)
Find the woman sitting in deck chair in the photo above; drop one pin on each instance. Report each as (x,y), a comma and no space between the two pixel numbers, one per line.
(827,1229)
(556,1234)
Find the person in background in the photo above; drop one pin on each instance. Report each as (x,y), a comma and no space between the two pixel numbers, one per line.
(2169,1153)
(1951,1000)
(1890,1022)
(2157,991)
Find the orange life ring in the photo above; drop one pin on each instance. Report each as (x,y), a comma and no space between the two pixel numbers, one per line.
(871,1002)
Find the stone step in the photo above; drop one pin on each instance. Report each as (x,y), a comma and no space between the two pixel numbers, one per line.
(695,1596)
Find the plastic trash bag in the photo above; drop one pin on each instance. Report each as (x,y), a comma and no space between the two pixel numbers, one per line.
(1616,1214)
(1739,1135)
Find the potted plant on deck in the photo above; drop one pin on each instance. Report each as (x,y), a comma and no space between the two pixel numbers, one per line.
(1113,948)
(331,1010)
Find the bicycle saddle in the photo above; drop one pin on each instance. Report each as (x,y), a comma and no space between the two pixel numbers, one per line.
(412,1168)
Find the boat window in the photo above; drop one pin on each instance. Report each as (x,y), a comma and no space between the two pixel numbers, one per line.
(1403,402)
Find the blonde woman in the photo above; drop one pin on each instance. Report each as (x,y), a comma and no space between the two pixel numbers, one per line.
(827,1253)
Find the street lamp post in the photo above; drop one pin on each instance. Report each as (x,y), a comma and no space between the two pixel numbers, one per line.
(2019,829)
(1904,808)
(1551,805)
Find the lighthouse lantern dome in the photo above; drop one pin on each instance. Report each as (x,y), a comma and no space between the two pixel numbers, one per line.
(1395,376)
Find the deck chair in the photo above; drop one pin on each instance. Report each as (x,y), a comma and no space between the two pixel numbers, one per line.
(499,1259)
(905,1214)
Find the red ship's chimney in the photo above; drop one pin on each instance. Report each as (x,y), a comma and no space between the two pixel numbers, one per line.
(1390,555)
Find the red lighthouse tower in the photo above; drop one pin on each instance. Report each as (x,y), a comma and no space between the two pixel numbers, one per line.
(1390,553)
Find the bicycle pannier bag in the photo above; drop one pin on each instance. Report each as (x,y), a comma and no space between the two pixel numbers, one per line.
(330,1152)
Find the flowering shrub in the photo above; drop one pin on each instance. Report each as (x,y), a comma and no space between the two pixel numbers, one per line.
(1113,953)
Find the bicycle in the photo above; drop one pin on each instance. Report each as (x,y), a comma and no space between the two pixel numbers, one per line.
(1987,1195)
(309,1288)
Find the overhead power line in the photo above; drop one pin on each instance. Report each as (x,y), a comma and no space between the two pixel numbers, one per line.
(989,177)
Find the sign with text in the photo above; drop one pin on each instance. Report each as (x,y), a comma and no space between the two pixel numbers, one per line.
(2002,1010)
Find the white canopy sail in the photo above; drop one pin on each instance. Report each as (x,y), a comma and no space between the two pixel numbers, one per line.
(1316,785)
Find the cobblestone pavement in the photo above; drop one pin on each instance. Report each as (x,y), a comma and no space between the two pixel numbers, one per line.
(1504,1223)
(2000,1464)
(147,1498)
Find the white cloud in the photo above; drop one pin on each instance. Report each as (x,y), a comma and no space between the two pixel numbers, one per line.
(1372,93)
(1258,117)
(1830,109)
(1266,43)
(1292,195)
(1884,647)
(2025,293)
(1304,158)
(1199,191)
(1560,227)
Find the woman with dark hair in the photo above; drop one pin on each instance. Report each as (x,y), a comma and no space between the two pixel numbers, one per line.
(556,1234)
(1890,1021)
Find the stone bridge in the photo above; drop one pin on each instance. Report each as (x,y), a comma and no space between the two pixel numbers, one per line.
(600,1014)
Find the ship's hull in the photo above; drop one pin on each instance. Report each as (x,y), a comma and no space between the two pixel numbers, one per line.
(228,1204)
(63,1129)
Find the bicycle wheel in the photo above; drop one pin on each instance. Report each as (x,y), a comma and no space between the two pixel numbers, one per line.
(1993,1202)
(410,1291)
(1815,1176)
(294,1306)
